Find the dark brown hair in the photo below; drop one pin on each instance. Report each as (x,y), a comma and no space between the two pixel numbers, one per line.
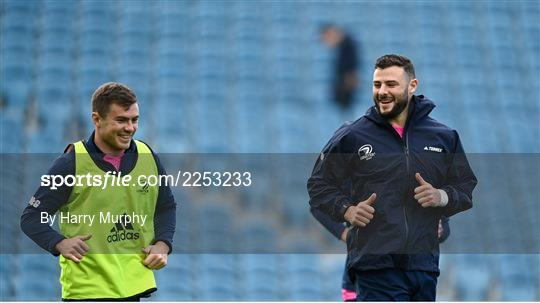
(109,93)
(396,60)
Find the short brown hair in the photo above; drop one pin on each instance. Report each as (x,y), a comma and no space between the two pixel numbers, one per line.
(396,60)
(112,93)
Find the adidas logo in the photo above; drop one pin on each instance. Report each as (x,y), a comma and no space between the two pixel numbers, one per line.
(121,232)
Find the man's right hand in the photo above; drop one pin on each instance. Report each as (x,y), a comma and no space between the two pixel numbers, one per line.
(74,248)
(362,213)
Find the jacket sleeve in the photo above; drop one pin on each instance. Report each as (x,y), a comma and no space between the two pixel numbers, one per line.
(165,214)
(47,200)
(335,228)
(461,182)
(327,179)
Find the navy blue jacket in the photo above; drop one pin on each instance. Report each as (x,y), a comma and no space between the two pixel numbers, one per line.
(51,200)
(368,156)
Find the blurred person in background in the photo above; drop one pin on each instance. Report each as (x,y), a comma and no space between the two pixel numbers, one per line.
(392,175)
(106,261)
(345,78)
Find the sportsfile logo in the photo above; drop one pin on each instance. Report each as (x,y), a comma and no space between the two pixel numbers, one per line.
(122,231)
(366,152)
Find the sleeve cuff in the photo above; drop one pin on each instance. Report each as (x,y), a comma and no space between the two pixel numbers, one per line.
(342,210)
(444,198)
(166,242)
(52,248)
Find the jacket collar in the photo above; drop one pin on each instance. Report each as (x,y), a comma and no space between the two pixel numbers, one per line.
(419,108)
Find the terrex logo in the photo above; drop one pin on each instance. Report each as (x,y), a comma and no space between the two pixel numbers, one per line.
(365,152)
(434,149)
(121,232)
(144,189)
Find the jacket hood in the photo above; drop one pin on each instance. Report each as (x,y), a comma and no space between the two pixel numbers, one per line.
(421,107)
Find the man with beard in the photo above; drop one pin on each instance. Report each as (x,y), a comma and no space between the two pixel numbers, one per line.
(392,174)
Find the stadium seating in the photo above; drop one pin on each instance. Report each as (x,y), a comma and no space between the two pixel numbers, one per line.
(252,78)
(519,277)
(472,277)
(261,277)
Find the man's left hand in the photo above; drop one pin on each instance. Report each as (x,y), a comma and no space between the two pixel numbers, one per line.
(156,255)
(426,194)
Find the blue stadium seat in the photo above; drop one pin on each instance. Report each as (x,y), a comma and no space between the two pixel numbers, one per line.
(299,242)
(257,235)
(97,16)
(261,287)
(174,283)
(11,134)
(54,102)
(51,140)
(54,75)
(215,263)
(22,7)
(216,284)
(261,277)
(472,277)
(136,23)
(18,38)
(263,263)
(295,207)
(36,289)
(216,226)
(304,287)
(6,292)
(56,23)
(58,41)
(6,275)
(16,76)
(519,280)
(35,280)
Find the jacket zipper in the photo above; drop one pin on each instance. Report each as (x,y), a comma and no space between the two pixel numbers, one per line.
(406,150)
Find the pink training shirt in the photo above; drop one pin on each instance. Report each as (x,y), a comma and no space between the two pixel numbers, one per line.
(348,295)
(114,160)
(398,129)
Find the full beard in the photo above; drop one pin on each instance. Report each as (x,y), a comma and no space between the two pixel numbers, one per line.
(399,106)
